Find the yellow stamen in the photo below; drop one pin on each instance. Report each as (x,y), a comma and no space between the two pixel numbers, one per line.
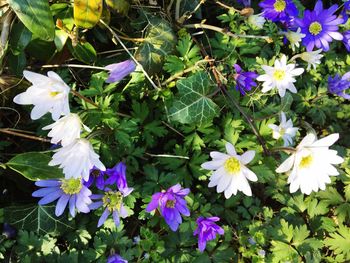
(71,186)
(315,28)
(170,203)
(112,200)
(54,93)
(279,5)
(232,165)
(279,74)
(305,161)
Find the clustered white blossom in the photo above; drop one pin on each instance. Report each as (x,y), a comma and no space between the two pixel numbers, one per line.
(50,94)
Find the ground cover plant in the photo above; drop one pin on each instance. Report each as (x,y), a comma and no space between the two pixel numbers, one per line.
(174,131)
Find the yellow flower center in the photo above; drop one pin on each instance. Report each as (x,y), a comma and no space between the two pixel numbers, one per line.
(170,203)
(305,161)
(279,74)
(54,93)
(279,5)
(232,165)
(282,131)
(112,200)
(315,28)
(71,186)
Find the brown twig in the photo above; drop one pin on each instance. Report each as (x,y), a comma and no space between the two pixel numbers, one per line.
(15,133)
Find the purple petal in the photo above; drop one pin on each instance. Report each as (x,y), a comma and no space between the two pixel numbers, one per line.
(103,217)
(61,204)
(51,197)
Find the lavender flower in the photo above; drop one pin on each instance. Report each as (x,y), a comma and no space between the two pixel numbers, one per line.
(120,70)
(70,191)
(116,259)
(338,85)
(207,230)
(244,80)
(279,10)
(346,40)
(246,3)
(171,204)
(320,27)
(98,177)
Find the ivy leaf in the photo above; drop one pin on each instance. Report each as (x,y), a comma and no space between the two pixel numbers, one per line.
(339,242)
(34,166)
(40,219)
(193,104)
(158,43)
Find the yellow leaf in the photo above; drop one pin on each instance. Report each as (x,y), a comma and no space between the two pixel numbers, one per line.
(121,6)
(87,12)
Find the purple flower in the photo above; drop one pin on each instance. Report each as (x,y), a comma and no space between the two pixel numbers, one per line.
(120,70)
(70,191)
(246,3)
(279,10)
(117,175)
(244,80)
(116,259)
(338,85)
(320,27)
(207,230)
(171,204)
(343,13)
(346,40)
(9,231)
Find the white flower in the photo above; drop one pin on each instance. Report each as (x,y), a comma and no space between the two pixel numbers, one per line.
(285,130)
(47,94)
(294,37)
(230,173)
(312,58)
(76,159)
(311,164)
(66,129)
(256,21)
(281,76)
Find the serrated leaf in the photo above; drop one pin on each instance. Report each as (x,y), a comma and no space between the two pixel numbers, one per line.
(36,16)
(40,219)
(192,104)
(339,242)
(87,12)
(34,166)
(158,43)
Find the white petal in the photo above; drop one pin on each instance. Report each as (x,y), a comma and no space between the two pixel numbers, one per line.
(326,141)
(247,157)
(230,149)
(286,165)
(250,175)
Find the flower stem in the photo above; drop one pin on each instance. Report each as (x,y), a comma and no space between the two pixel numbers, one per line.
(73,66)
(15,133)
(225,32)
(285,149)
(76,93)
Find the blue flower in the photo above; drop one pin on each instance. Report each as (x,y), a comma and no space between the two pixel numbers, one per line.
(244,80)
(70,191)
(320,27)
(120,70)
(346,40)
(279,10)
(246,3)
(171,205)
(116,259)
(207,230)
(338,85)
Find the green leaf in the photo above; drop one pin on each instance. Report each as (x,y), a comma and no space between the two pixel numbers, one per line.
(40,219)
(36,16)
(17,63)
(83,52)
(192,104)
(20,38)
(158,43)
(87,12)
(339,242)
(34,166)
(121,6)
